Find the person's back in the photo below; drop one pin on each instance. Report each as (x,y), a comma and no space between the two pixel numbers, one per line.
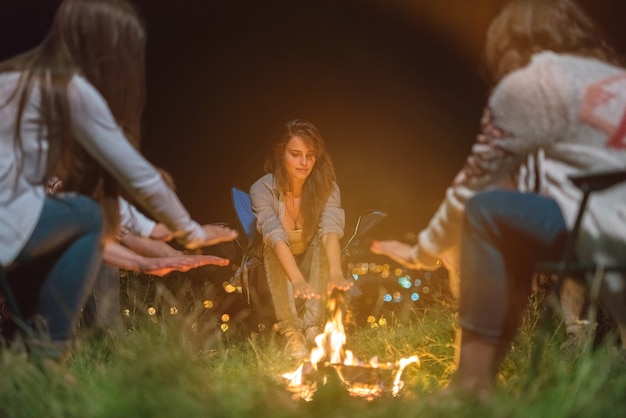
(570,111)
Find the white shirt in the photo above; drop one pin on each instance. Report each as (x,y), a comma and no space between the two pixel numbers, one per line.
(134,221)
(560,115)
(22,193)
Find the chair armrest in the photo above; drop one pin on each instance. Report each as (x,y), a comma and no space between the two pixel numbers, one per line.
(599,180)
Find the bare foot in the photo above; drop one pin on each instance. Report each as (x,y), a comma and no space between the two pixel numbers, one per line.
(304,290)
(216,234)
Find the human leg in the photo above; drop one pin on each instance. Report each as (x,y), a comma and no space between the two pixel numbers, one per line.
(505,233)
(68,234)
(573,300)
(287,320)
(314,265)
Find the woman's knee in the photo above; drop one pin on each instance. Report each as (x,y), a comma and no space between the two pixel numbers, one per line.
(87,212)
(478,209)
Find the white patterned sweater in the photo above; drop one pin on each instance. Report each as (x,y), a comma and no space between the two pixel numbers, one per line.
(558,116)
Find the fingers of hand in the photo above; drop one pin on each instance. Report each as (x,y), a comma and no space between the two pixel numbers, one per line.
(219,233)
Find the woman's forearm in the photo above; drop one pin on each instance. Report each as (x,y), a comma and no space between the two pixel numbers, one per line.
(122,257)
(332,247)
(148,247)
(288,262)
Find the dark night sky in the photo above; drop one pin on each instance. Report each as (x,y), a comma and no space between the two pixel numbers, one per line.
(393,86)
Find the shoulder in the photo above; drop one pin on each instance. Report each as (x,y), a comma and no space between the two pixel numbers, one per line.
(267,181)
(264,185)
(87,105)
(542,66)
(545,76)
(548,58)
(548,69)
(79,84)
(567,62)
(550,77)
(572,67)
(81,92)
(563,62)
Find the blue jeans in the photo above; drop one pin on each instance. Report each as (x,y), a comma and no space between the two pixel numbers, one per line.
(58,264)
(505,233)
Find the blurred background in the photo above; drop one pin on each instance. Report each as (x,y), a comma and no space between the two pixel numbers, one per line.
(394,86)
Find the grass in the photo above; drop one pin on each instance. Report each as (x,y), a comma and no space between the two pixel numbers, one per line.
(170,368)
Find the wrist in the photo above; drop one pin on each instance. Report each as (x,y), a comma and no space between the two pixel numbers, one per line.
(335,272)
(142,265)
(424,259)
(297,280)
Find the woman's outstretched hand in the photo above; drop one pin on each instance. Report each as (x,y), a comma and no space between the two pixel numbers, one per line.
(337,281)
(302,289)
(404,254)
(216,234)
(160,266)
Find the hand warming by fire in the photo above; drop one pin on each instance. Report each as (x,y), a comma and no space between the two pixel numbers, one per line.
(329,359)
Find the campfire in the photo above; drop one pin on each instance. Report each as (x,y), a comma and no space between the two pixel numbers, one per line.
(329,359)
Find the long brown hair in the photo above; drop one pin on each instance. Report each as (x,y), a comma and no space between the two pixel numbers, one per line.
(525,27)
(104,41)
(318,186)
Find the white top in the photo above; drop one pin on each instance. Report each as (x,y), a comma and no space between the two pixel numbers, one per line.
(134,221)
(560,115)
(22,194)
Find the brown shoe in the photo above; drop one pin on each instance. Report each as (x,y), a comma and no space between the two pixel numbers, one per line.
(295,347)
(310,333)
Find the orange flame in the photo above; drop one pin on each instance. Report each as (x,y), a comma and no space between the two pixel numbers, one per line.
(366,380)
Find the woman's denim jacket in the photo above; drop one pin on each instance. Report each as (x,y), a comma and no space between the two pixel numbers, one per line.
(269,207)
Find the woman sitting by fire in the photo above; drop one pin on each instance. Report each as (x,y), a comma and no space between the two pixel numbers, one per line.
(298,211)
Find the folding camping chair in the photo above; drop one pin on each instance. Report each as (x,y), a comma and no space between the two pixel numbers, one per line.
(245,219)
(568,265)
(250,276)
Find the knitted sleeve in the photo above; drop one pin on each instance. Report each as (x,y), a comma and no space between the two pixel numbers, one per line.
(525,113)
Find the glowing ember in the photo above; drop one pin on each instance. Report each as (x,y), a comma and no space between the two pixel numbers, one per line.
(365,380)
